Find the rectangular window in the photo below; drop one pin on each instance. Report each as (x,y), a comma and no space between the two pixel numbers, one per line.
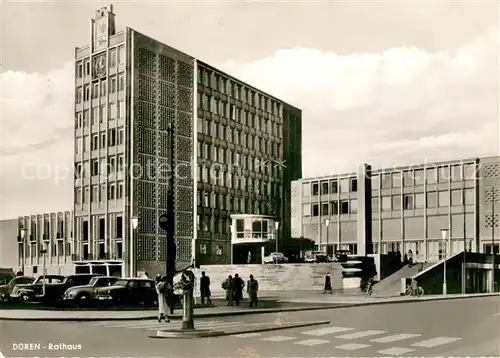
(218,250)
(112,58)
(324,188)
(419,177)
(469,196)
(386,181)
(324,209)
(431,175)
(79,95)
(396,180)
(119,192)
(376,182)
(344,207)
(408,202)
(456,197)
(444,174)
(111,191)
(203,249)
(121,136)
(354,185)
(121,82)
(79,70)
(456,173)
(334,187)
(315,189)
(469,172)
(386,203)
(86,92)
(334,207)
(375,204)
(113,85)
(95,90)
(113,111)
(306,189)
(315,210)
(306,209)
(444,198)
(344,185)
(121,55)
(396,202)
(353,206)
(103,88)
(408,178)
(431,200)
(419,200)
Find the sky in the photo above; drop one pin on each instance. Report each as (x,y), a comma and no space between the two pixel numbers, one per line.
(387,83)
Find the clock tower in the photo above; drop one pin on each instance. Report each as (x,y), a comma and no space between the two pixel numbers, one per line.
(103,26)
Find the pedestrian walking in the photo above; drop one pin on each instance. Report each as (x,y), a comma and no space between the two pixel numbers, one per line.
(252,289)
(205,289)
(328,284)
(163,289)
(237,286)
(227,285)
(145,275)
(410,258)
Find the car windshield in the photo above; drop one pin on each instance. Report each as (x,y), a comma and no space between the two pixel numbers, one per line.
(49,279)
(121,283)
(93,281)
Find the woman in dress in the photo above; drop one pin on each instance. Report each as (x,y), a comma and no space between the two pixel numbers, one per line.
(162,289)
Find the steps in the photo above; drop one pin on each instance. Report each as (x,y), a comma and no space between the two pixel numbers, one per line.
(391,286)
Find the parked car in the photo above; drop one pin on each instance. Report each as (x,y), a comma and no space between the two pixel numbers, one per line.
(27,292)
(341,255)
(85,293)
(6,274)
(6,290)
(275,256)
(128,291)
(315,256)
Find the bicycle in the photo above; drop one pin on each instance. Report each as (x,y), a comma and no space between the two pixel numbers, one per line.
(410,291)
(368,290)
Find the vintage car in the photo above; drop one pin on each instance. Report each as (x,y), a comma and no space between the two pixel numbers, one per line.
(6,290)
(86,293)
(275,256)
(27,292)
(128,291)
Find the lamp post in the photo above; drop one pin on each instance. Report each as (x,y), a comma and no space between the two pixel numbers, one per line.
(445,237)
(23,235)
(134,222)
(327,223)
(276,226)
(43,251)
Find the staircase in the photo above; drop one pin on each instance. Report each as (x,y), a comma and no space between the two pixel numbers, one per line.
(391,286)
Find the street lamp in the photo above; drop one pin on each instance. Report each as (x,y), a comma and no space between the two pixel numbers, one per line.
(23,234)
(445,237)
(276,225)
(134,221)
(43,251)
(327,223)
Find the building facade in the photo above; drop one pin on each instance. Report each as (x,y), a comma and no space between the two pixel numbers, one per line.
(46,234)
(145,111)
(398,209)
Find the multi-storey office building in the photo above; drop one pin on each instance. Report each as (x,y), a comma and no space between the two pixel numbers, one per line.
(229,143)
(398,209)
(49,234)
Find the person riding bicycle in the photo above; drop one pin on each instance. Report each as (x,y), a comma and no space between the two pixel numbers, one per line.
(414,285)
(369,285)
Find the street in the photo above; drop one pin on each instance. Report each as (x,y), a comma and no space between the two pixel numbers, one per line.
(463,327)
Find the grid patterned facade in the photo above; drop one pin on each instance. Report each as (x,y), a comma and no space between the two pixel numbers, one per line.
(50,231)
(409,207)
(229,144)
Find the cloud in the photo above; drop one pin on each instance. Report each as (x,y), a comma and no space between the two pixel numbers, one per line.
(400,106)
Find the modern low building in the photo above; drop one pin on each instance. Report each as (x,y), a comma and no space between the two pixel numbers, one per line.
(398,209)
(29,242)
(144,110)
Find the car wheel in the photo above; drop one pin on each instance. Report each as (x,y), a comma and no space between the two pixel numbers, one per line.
(24,297)
(4,297)
(83,297)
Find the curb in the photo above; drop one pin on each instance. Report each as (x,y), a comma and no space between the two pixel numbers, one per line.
(200,315)
(179,334)
(412,300)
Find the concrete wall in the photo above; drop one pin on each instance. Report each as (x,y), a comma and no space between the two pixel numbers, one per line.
(275,278)
(8,244)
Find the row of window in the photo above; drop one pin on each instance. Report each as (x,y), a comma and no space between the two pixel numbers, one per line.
(232,204)
(232,158)
(238,91)
(232,135)
(115,224)
(334,186)
(223,109)
(99,193)
(110,138)
(84,119)
(213,224)
(47,229)
(55,249)
(407,178)
(99,88)
(103,167)
(394,203)
(116,57)
(204,251)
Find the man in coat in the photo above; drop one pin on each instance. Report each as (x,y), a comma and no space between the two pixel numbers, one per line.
(252,288)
